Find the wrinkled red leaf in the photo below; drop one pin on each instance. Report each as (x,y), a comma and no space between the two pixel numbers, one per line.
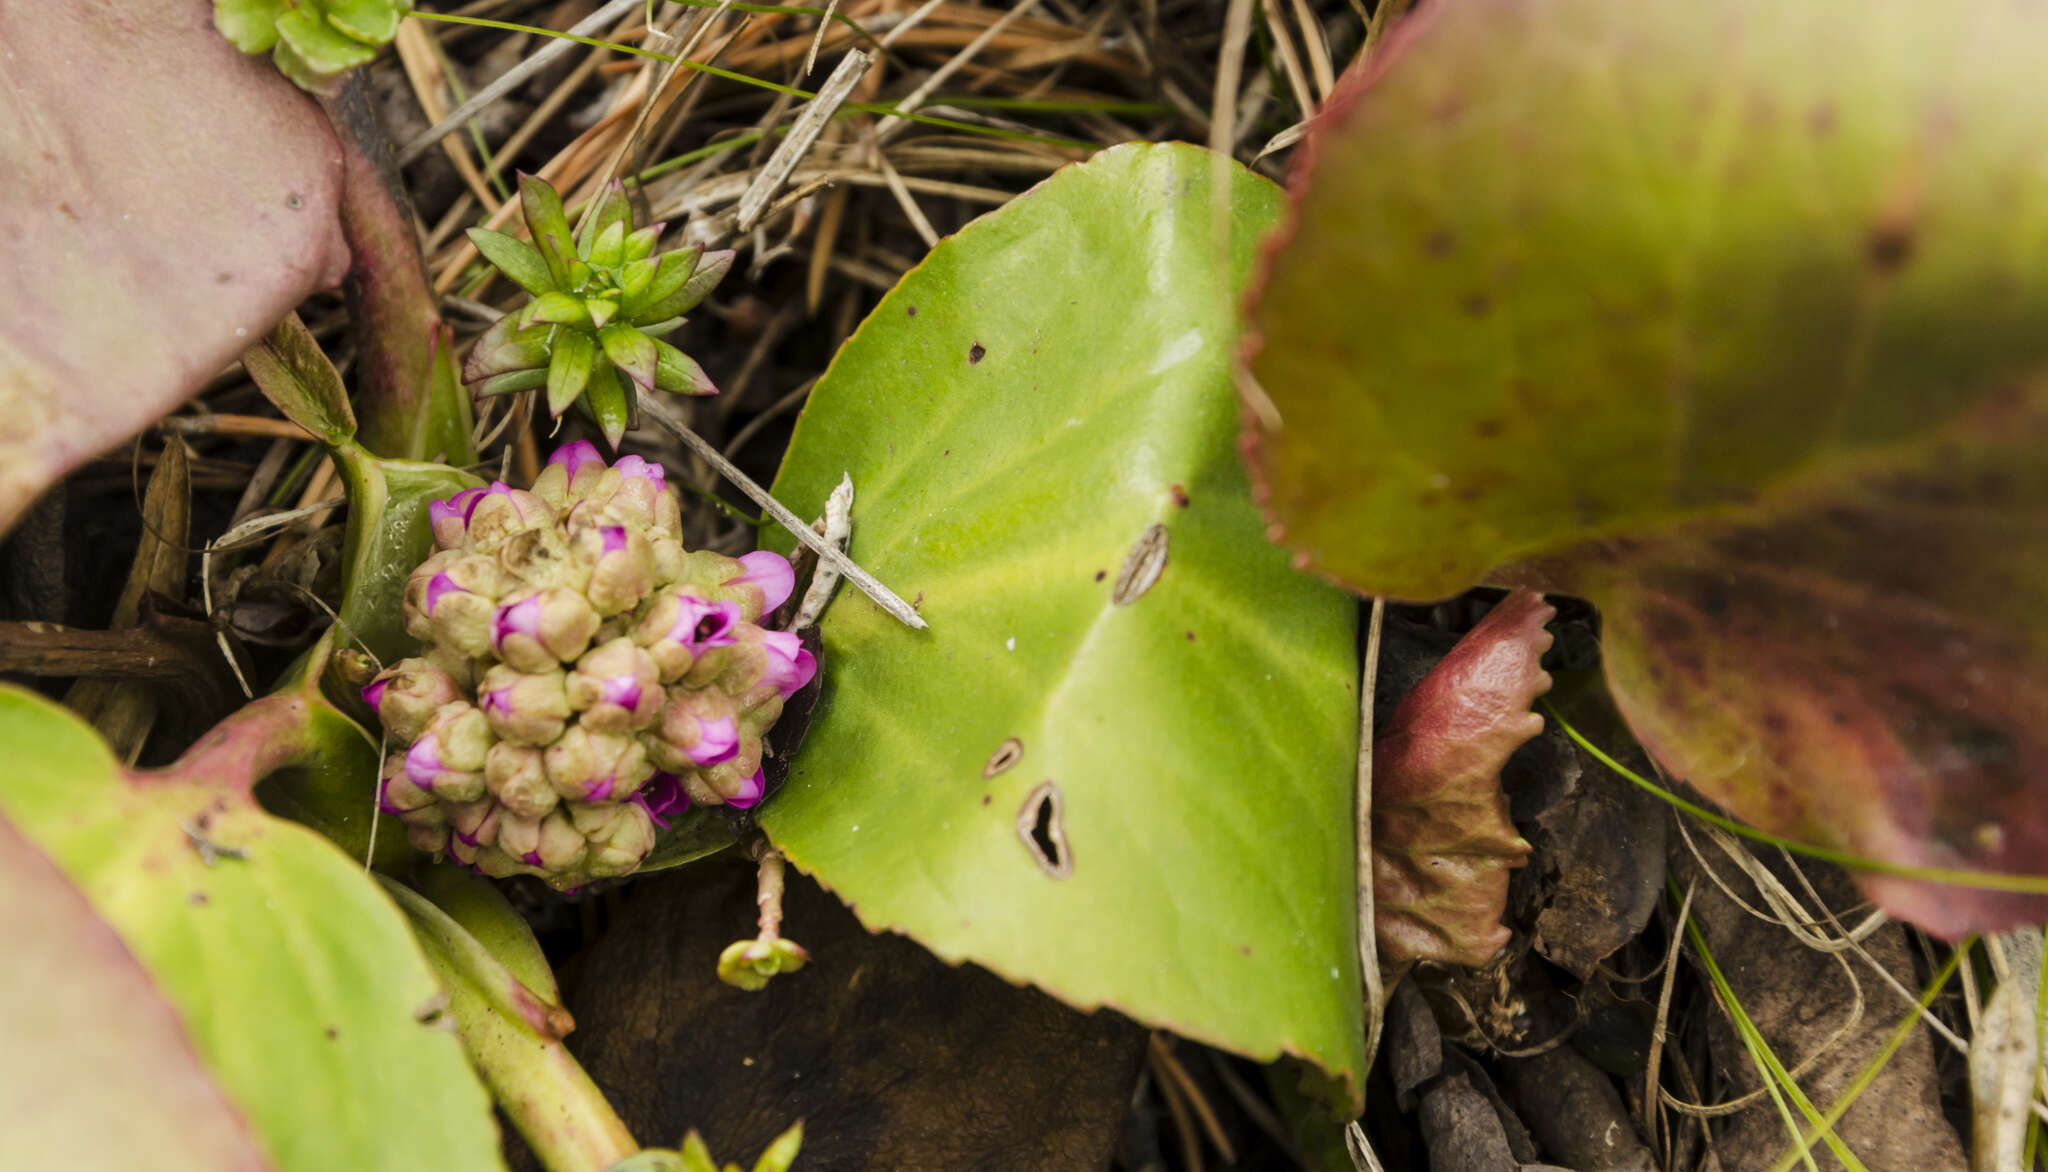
(1442,844)
(1732,319)
(97,1070)
(163,200)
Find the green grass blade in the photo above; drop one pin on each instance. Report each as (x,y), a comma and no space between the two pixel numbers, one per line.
(1870,1071)
(1777,1077)
(1958,876)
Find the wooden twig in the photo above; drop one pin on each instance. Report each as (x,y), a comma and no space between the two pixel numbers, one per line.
(803,132)
(665,414)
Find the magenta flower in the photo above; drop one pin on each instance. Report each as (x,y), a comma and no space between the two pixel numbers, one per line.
(770,573)
(374,691)
(703,625)
(790,666)
(662,797)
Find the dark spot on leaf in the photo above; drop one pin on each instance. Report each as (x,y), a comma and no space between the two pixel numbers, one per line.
(1476,304)
(1007,754)
(332,1033)
(910,311)
(976,353)
(1245,948)
(987,798)
(1890,247)
(1039,829)
(1180,496)
(1101,574)
(1440,243)
(196,899)
(1487,428)
(1820,121)
(1713,600)
(1191,636)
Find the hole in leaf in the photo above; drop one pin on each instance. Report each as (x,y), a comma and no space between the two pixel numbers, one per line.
(1007,754)
(1039,828)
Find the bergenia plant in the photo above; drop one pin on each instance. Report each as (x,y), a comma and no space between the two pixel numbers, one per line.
(313,42)
(600,308)
(583,677)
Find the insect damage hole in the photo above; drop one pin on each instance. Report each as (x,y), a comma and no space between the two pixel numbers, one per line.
(1007,754)
(1142,567)
(1040,830)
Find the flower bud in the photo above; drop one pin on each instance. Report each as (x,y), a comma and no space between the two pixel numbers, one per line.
(524,708)
(450,518)
(407,693)
(503,511)
(696,730)
(634,491)
(620,561)
(518,778)
(540,631)
(399,797)
(570,474)
(617,836)
(541,558)
(448,758)
(520,838)
(790,666)
(748,964)
(586,766)
(476,823)
(615,688)
(562,848)
(451,598)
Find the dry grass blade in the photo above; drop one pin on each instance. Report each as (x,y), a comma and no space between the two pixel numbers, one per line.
(510,80)
(803,133)
(664,414)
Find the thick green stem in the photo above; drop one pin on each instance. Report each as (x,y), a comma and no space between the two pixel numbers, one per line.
(514,1038)
(409,396)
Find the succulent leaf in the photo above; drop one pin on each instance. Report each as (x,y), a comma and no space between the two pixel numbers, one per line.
(324,48)
(557,308)
(609,404)
(374,21)
(250,25)
(711,269)
(631,351)
(608,251)
(546,223)
(612,208)
(569,369)
(521,262)
(507,346)
(678,373)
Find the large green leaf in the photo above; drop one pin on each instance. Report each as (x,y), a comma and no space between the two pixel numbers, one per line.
(1049,388)
(1732,318)
(300,985)
(98,1070)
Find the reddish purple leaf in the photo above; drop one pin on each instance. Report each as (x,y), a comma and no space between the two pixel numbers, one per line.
(163,200)
(1732,319)
(1442,844)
